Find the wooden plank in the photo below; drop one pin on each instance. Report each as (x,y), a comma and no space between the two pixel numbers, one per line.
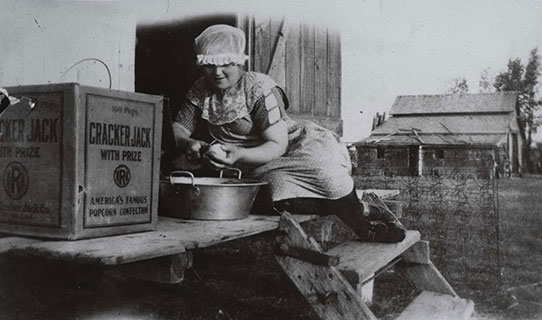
(436,306)
(168,269)
(307,70)
(365,258)
(293,67)
(320,72)
(418,253)
(323,287)
(277,67)
(262,44)
(245,23)
(425,277)
(333,74)
(107,250)
(173,236)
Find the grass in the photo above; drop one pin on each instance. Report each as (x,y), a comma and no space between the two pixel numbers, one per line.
(241,280)
(521,250)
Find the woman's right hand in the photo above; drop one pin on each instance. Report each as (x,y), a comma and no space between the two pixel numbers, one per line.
(194,149)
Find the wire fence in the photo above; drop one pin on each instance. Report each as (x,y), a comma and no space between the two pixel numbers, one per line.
(455,208)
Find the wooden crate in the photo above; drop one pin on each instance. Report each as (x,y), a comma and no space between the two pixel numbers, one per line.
(79,162)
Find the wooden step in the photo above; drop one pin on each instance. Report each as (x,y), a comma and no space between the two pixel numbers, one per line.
(437,306)
(365,258)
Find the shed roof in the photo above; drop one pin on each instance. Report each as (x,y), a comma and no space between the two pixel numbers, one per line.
(434,139)
(457,124)
(455,103)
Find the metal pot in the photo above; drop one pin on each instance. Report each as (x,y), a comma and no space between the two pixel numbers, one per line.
(221,198)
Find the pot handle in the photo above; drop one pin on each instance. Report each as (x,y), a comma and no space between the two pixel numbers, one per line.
(184,174)
(232,169)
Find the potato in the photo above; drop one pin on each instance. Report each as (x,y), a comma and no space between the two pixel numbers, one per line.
(216,150)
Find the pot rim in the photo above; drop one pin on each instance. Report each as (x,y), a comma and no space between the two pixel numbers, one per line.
(187,178)
(216,182)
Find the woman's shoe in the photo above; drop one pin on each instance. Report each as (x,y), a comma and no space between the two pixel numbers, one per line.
(376,210)
(386,232)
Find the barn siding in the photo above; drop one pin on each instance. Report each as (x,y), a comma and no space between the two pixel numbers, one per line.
(333,74)
(309,64)
(308,80)
(293,67)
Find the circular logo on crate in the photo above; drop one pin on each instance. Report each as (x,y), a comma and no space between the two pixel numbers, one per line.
(122,175)
(15,180)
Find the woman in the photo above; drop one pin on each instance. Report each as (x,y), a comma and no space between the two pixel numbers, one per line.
(243,115)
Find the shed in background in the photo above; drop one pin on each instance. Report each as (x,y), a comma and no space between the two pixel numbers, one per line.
(446,134)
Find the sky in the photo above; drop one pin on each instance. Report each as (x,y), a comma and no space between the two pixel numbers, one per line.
(398,47)
(392,47)
(419,47)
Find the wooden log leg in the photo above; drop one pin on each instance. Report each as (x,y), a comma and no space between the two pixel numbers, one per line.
(168,269)
(324,287)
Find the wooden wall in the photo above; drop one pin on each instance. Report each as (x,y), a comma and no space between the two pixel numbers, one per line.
(305,60)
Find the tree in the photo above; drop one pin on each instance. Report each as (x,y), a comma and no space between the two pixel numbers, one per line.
(459,86)
(530,81)
(486,83)
(523,79)
(510,80)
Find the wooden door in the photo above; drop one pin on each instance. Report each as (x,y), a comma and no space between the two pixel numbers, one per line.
(305,60)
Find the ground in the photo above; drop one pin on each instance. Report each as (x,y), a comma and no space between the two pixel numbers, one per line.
(240,280)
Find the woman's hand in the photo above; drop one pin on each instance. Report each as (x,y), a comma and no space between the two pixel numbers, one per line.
(195,149)
(275,144)
(220,156)
(191,147)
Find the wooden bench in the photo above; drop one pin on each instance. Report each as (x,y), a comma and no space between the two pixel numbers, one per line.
(166,251)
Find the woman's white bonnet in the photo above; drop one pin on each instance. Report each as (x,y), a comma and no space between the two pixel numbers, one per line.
(220,44)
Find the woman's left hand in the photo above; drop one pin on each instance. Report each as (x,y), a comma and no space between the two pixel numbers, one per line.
(227,156)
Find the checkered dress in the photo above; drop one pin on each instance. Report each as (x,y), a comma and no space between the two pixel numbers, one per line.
(316,164)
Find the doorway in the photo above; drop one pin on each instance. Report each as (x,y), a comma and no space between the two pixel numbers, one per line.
(413,159)
(165,62)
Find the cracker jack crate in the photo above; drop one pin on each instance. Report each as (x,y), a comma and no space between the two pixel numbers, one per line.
(79,162)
